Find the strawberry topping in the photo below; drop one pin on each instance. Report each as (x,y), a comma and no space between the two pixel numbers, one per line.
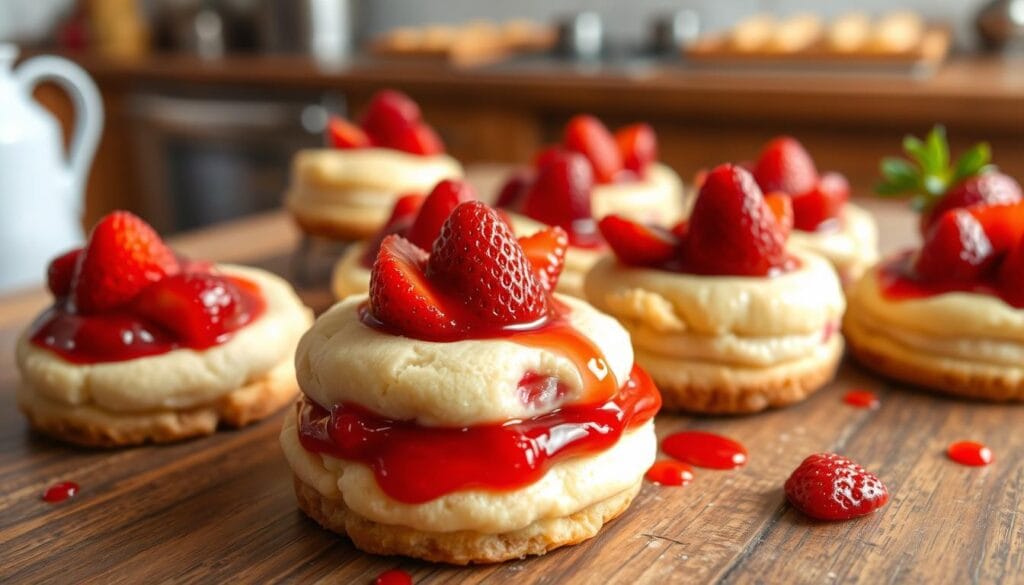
(392,120)
(443,199)
(344,134)
(637,244)
(401,296)
(638,145)
(784,165)
(816,209)
(561,196)
(827,486)
(403,214)
(200,308)
(545,251)
(589,137)
(60,272)
(956,250)
(415,139)
(388,113)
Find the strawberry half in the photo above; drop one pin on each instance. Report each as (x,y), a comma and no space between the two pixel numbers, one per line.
(812,209)
(784,165)
(1011,276)
(344,134)
(991,188)
(443,199)
(638,145)
(589,137)
(401,297)
(61,271)
(513,192)
(781,206)
(403,214)
(561,196)
(956,250)
(198,307)
(545,250)
(637,244)
(731,230)
(1003,224)
(123,256)
(477,260)
(388,113)
(419,139)
(827,486)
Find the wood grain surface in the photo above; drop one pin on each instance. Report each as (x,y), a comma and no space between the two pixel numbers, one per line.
(221,509)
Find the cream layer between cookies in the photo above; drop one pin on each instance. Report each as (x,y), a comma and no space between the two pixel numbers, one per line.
(181,378)
(457,383)
(566,488)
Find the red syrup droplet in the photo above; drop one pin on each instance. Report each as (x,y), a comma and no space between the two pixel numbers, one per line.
(59,492)
(670,473)
(394,577)
(861,399)
(705,450)
(969,453)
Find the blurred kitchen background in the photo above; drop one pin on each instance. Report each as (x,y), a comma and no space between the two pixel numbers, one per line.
(206,101)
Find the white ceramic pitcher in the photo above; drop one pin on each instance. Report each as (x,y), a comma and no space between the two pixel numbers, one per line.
(41,185)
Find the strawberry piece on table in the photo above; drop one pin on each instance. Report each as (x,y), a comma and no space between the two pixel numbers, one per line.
(545,251)
(198,307)
(731,229)
(419,139)
(956,250)
(344,134)
(388,113)
(781,206)
(637,244)
(784,165)
(61,271)
(443,199)
(827,486)
(561,196)
(402,298)
(478,260)
(821,204)
(588,136)
(123,256)
(638,145)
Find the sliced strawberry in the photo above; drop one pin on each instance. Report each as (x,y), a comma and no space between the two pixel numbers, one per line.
(731,229)
(956,250)
(401,298)
(784,165)
(588,136)
(781,206)
(637,244)
(1003,224)
(821,204)
(477,260)
(680,230)
(991,188)
(827,486)
(403,214)
(561,196)
(388,113)
(546,252)
(419,139)
(547,155)
(344,134)
(61,271)
(197,307)
(513,192)
(1011,275)
(638,145)
(123,256)
(446,196)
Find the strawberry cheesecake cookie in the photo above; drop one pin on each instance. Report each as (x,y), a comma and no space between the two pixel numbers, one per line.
(344,192)
(950,315)
(723,316)
(463,413)
(628,179)
(141,345)
(824,220)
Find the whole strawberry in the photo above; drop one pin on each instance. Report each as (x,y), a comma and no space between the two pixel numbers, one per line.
(827,486)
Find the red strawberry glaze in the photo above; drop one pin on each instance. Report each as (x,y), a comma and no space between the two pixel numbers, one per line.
(59,492)
(898,283)
(969,453)
(671,473)
(861,399)
(415,464)
(705,450)
(120,335)
(393,577)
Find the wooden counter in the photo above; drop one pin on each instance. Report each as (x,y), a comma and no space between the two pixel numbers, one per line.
(221,508)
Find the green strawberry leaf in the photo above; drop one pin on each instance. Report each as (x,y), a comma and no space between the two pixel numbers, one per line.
(938,151)
(972,162)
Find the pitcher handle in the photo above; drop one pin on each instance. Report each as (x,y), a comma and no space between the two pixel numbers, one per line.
(88,111)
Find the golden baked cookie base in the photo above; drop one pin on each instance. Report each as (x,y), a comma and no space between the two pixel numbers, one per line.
(712,388)
(944,374)
(462,547)
(91,426)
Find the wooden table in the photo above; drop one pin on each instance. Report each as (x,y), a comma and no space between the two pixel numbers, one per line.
(221,509)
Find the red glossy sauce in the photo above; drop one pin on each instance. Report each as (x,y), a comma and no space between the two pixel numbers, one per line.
(898,283)
(673,473)
(59,492)
(705,450)
(120,335)
(394,577)
(969,453)
(415,464)
(861,399)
